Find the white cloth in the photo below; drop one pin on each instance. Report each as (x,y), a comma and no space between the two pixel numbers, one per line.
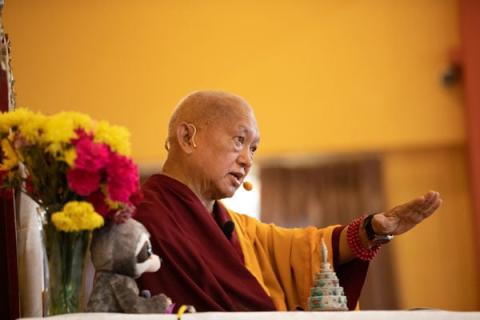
(349,315)
(30,258)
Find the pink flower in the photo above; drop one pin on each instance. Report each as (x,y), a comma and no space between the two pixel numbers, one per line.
(90,156)
(81,134)
(122,178)
(123,214)
(83,182)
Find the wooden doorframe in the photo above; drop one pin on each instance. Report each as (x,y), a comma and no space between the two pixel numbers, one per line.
(470,63)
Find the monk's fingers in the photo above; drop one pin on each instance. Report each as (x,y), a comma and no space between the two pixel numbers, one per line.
(433,208)
(412,205)
(415,208)
(425,212)
(431,202)
(430,198)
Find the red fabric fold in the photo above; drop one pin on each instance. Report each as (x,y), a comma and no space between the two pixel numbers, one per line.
(351,275)
(221,217)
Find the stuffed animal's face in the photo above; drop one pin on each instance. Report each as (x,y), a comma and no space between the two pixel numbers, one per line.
(123,248)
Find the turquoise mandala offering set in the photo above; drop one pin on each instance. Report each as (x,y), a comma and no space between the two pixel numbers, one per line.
(326,293)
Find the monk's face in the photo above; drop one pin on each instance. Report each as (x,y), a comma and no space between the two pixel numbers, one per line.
(225,153)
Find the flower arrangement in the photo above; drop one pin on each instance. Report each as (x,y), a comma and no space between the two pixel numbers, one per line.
(76,169)
(69,160)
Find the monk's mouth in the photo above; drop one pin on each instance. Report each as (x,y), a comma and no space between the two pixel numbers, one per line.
(237,176)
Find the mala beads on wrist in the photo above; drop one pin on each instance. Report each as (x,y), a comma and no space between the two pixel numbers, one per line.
(353,239)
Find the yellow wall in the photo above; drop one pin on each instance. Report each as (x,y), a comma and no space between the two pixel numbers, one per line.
(435,263)
(323,76)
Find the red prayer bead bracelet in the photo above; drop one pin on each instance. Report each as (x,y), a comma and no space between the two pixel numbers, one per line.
(355,243)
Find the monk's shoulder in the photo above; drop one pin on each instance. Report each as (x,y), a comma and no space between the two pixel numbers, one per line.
(155,206)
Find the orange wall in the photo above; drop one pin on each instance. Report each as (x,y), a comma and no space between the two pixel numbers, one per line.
(323,76)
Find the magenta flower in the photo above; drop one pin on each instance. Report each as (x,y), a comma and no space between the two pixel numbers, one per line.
(122,178)
(90,156)
(83,182)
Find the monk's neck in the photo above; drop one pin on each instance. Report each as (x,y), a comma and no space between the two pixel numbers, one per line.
(174,173)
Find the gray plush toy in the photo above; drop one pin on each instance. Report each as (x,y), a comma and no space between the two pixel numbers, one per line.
(121,253)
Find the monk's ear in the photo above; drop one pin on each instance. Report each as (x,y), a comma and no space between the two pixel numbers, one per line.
(186,133)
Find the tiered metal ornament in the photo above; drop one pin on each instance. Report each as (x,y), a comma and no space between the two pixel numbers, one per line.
(326,293)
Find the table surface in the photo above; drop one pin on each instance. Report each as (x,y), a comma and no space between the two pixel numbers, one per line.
(293,315)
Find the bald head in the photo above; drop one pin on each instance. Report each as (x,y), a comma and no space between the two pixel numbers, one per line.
(202,108)
(212,137)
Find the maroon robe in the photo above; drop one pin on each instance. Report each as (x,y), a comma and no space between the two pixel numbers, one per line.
(200,265)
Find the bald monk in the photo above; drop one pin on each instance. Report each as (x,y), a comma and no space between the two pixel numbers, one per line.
(220,260)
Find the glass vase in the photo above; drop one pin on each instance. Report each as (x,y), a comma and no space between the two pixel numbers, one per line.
(66,252)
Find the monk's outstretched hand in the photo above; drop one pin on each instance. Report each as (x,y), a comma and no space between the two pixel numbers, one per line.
(406,216)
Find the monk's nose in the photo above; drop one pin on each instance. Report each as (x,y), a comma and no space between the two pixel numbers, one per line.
(245,158)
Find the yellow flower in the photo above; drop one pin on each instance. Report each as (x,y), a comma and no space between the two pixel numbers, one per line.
(56,149)
(33,127)
(61,127)
(62,152)
(69,156)
(112,204)
(77,216)
(117,137)
(22,119)
(79,120)
(10,159)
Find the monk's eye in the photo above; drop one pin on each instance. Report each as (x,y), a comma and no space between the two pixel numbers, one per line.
(239,141)
(253,149)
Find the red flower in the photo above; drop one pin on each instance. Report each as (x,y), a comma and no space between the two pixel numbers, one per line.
(122,178)
(97,199)
(29,186)
(136,197)
(83,182)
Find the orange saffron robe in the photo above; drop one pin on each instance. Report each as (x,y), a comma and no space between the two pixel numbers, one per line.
(283,260)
